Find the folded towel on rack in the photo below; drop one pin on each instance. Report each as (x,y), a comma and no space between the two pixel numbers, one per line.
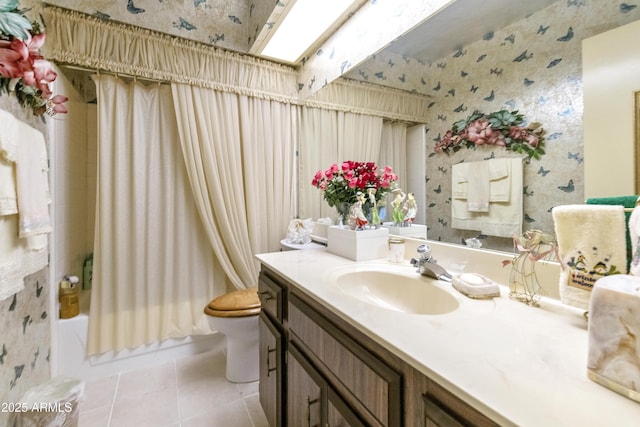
(591,244)
(499,179)
(628,202)
(8,136)
(32,185)
(504,218)
(500,186)
(478,187)
(8,197)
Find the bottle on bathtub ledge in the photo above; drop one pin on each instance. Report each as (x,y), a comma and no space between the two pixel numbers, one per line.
(69,297)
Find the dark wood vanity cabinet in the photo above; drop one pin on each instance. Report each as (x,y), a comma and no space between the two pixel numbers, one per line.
(272,350)
(329,374)
(271,362)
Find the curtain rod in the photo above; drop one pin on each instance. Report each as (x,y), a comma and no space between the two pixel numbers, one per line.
(110,73)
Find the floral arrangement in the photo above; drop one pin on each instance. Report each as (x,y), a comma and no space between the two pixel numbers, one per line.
(23,70)
(502,128)
(340,184)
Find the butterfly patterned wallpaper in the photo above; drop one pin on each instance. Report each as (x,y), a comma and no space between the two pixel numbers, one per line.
(228,24)
(533,66)
(25,341)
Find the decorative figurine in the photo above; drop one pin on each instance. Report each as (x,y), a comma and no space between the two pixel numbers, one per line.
(375,218)
(357,214)
(398,201)
(410,209)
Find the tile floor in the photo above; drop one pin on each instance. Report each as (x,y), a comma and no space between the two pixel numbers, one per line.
(186,392)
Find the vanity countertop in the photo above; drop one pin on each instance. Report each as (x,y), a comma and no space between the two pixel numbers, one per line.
(517,364)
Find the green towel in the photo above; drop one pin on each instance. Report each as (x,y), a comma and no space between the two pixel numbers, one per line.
(626,201)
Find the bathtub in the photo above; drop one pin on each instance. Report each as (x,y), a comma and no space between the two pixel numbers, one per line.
(72,344)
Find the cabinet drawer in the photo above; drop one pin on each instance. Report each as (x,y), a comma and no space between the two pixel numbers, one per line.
(272,297)
(364,381)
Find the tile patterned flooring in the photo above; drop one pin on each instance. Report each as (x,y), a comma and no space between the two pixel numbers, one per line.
(186,392)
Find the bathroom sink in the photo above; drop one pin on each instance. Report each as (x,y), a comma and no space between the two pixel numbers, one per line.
(396,288)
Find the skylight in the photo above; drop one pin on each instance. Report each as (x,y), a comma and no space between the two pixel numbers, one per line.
(304,24)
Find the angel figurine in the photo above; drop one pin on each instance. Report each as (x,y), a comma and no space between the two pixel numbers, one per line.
(398,201)
(375,218)
(357,214)
(410,209)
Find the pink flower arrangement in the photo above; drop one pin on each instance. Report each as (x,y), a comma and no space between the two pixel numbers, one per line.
(23,70)
(342,183)
(502,128)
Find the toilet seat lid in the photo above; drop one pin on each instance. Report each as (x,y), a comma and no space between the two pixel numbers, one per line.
(242,302)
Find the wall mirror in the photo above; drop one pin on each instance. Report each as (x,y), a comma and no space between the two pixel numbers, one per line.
(530,62)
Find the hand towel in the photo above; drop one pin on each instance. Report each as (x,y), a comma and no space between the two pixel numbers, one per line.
(628,202)
(499,179)
(459,173)
(32,183)
(8,197)
(8,136)
(8,154)
(591,244)
(478,187)
(500,185)
(504,219)
(17,260)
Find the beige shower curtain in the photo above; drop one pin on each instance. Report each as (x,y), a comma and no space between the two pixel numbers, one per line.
(239,153)
(154,270)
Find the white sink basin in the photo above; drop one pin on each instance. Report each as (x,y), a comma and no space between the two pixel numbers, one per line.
(396,288)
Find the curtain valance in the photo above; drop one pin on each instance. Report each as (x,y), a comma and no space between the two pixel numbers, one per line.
(83,40)
(87,41)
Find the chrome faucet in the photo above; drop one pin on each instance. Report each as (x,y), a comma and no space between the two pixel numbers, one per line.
(428,266)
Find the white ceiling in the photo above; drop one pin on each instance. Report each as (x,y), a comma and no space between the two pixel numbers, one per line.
(461,23)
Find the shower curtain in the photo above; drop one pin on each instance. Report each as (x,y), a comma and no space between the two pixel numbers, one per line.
(239,152)
(154,270)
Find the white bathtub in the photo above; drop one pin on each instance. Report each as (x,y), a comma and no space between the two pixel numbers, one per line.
(72,343)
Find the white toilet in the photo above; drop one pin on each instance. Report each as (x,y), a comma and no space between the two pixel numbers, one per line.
(235,315)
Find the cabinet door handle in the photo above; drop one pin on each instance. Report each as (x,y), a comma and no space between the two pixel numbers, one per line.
(309,403)
(269,369)
(265,296)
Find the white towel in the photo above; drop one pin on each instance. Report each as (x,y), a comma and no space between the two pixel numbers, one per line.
(8,136)
(478,187)
(32,183)
(499,179)
(24,190)
(459,173)
(8,155)
(17,260)
(591,244)
(500,185)
(634,233)
(504,219)
(8,197)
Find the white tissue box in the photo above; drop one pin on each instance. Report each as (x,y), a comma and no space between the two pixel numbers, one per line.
(417,231)
(614,327)
(362,245)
